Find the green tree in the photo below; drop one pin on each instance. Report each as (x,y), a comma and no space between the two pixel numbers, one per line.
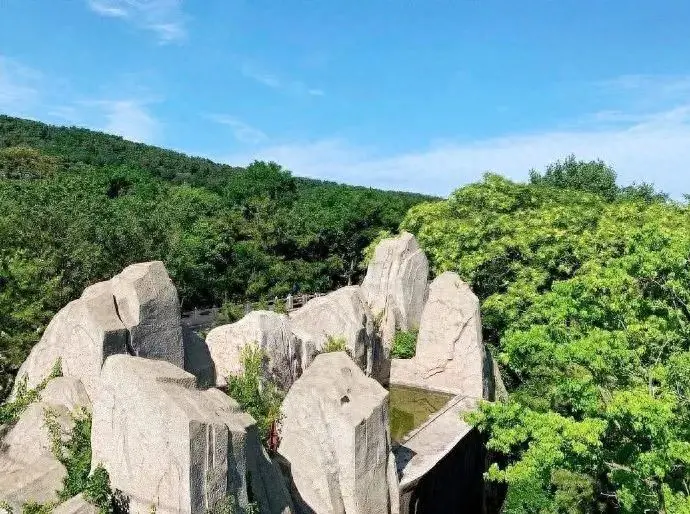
(585,304)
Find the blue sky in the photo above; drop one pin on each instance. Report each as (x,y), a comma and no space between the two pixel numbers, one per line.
(401,94)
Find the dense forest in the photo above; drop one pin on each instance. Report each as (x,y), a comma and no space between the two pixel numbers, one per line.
(76,206)
(585,291)
(584,285)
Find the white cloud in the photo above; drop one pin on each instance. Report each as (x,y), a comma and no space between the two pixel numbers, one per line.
(127,118)
(163,17)
(242,131)
(19,86)
(653,149)
(267,79)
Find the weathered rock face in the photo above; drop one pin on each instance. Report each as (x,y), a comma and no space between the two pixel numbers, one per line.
(396,280)
(81,335)
(271,332)
(76,505)
(137,312)
(342,314)
(28,469)
(170,445)
(450,353)
(68,392)
(148,306)
(336,442)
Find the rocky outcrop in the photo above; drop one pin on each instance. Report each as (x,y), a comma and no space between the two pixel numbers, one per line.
(150,310)
(29,472)
(340,315)
(396,280)
(76,505)
(450,352)
(136,312)
(336,442)
(271,332)
(169,445)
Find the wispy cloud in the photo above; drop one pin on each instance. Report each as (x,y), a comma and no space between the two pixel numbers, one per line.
(242,131)
(274,82)
(128,118)
(163,17)
(642,144)
(19,86)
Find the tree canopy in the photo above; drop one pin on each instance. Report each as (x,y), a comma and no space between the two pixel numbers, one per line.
(585,292)
(77,206)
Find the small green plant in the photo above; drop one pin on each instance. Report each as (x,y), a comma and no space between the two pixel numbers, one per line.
(228,313)
(334,344)
(10,411)
(33,507)
(404,345)
(257,396)
(6,507)
(279,306)
(73,450)
(98,492)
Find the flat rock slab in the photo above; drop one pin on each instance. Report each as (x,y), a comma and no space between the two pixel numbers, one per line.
(425,446)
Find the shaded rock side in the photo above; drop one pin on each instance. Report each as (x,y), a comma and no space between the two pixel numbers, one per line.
(342,314)
(336,442)
(450,353)
(271,332)
(29,472)
(197,358)
(396,281)
(170,445)
(148,305)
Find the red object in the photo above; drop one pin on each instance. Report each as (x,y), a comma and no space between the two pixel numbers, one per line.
(273,438)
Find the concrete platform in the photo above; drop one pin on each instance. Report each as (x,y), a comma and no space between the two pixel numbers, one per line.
(428,444)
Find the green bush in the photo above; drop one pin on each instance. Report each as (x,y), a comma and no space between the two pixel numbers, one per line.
(334,344)
(228,313)
(257,396)
(10,411)
(74,452)
(404,345)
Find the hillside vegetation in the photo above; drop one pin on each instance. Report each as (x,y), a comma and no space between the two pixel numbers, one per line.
(76,206)
(585,291)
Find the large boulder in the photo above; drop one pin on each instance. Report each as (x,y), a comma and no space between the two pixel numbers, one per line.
(148,306)
(269,331)
(81,336)
(170,446)
(340,315)
(450,352)
(395,283)
(137,312)
(335,440)
(29,472)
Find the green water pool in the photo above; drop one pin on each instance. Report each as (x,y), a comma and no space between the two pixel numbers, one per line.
(409,407)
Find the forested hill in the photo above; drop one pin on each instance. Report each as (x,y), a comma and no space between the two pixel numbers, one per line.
(76,206)
(80,145)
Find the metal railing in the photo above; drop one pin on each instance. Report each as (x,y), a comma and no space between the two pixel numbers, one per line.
(204,318)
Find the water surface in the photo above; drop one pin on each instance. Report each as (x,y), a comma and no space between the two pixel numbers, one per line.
(410,407)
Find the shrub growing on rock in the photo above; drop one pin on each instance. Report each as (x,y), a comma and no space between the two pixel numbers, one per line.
(404,345)
(257,396)
(334,344)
